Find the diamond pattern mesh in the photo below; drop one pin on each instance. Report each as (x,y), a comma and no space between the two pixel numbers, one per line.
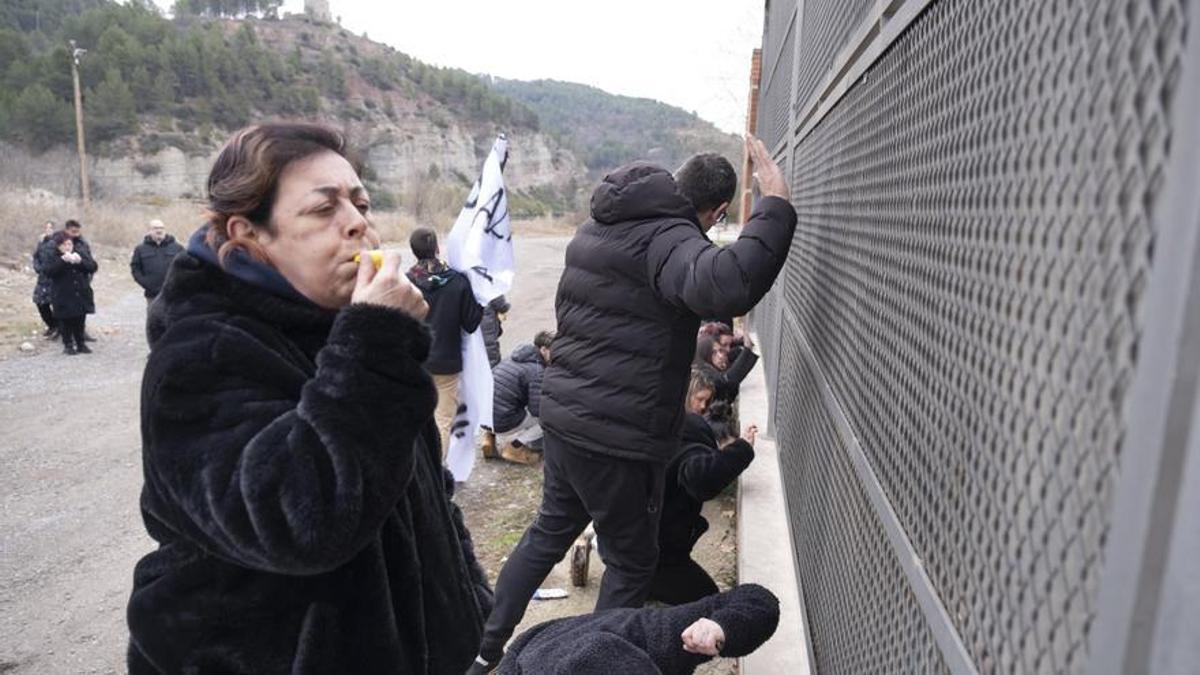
(826,29)
(866,618)
(774,110)
(975,235)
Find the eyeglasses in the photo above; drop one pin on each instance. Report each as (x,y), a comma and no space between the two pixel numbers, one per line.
(721,219)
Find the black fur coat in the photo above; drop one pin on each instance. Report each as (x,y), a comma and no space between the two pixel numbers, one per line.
(294,485)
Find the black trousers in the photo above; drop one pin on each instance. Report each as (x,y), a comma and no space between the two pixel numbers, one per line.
(71,330)
(47,315)
(680,582)
(623,497)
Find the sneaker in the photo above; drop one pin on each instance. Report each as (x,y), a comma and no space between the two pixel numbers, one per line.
(50,333)
(83,349)
(69,350)
(488,445)
(482,666)
(520,454)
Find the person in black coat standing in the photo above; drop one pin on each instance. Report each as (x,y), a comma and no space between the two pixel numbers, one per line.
(492,327)
(74,230)
(70,273)
(704,467)
(452,311)
(648,641)
(293,481)
(152,258)
(638,277)
(41,290)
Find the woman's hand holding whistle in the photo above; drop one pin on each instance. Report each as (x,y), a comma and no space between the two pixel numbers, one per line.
(387,286)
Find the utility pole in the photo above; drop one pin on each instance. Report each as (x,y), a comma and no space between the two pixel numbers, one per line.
(76,53)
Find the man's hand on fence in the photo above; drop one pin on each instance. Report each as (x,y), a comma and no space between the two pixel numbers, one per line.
(766,172)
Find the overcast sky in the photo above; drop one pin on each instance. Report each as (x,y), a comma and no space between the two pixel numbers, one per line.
(694,54)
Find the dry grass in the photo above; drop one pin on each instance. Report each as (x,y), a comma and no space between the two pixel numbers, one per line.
(123,224)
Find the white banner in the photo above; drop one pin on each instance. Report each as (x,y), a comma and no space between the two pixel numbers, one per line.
(479,246)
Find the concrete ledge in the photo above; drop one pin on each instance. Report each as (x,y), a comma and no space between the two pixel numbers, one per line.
(765,543)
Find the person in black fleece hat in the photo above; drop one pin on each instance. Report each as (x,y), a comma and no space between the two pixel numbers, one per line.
(651,640)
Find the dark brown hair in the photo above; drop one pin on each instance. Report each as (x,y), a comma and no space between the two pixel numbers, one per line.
(423,242)
(705,346)
(244,180)
(715,329)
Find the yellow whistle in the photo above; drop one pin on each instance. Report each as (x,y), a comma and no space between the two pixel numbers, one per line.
(376,258)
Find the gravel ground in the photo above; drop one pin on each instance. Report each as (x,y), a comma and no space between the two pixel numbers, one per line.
(70,530)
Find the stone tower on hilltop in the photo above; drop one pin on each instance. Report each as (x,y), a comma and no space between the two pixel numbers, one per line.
(318,10)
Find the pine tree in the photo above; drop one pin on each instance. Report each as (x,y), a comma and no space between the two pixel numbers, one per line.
(39,118)
(111,110)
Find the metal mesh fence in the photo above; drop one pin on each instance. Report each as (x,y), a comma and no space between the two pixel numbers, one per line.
(825,30)
(974,241)
(774,110)
(869,621)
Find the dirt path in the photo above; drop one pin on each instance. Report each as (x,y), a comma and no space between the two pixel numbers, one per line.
(70,530)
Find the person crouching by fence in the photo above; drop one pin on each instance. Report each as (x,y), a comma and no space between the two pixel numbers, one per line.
(517,403)
(713,357)
(705,465)
(648,640)
(70,273)
(292,473)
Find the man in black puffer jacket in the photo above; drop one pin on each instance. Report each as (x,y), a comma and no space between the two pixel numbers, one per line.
(638,277)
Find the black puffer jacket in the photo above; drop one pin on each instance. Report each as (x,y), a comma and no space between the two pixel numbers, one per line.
(697,474)
(518,387)
(492,328)
(638,276)
(71,284)
(452,310)
(642,641)
(294,485)
(150,262)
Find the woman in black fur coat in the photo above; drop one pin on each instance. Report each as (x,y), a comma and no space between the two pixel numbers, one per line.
(292,472)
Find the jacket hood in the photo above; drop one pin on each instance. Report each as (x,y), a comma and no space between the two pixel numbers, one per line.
(430,274)
(166,240)
(527,353)
(640,191)
(243,267)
